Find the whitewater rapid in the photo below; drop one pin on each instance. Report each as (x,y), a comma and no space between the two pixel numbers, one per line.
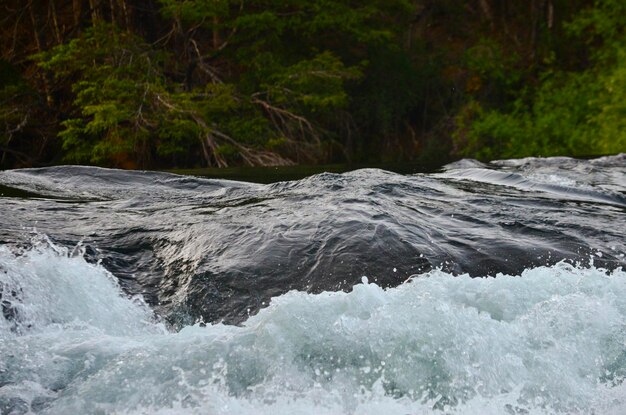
(217,250)
(551,340)
(482,288)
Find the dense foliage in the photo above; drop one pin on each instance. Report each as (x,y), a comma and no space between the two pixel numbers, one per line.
(184,83)
(569,111)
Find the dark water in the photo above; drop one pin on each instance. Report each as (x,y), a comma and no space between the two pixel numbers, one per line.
(208,250)
(218,250)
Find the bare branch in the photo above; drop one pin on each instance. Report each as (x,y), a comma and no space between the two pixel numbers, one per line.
(211,135)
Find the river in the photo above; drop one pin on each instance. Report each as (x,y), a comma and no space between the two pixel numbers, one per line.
(477,288)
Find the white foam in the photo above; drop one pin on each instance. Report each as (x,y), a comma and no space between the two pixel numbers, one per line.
(47,286)
(550,340)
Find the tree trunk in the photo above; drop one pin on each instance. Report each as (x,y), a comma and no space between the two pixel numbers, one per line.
(55,22)
(540,9)
(36,36)
(33,20)
(484,6)
(93,9)
(550,14)
(125,13)
(112,7)
(77,11)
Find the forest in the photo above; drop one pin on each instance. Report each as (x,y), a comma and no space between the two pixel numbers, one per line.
(157,84)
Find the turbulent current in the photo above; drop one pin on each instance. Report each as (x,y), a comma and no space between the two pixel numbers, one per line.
(482,288)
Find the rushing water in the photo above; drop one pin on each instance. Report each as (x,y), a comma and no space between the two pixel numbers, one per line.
(365,292)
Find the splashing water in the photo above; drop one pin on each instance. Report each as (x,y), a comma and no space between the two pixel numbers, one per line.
(550,340)
(218,250)
(485,288)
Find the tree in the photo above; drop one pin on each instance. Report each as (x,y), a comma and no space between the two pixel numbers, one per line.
(570,112)
(292,64)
